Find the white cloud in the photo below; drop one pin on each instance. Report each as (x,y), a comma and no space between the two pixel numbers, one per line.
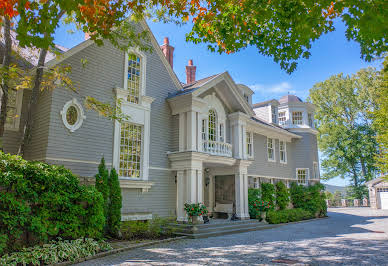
(283,87)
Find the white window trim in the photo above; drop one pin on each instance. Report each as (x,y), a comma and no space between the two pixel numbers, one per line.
(285,152)
(80,118)
(316,170)
(307,175)
(143,67)
(273,148)
(250,156)
(19,101)
(140,114)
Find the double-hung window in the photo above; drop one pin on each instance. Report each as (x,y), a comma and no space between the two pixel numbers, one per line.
(282,118)
(316,170)
(249,139)
(271,149)
(282,151)
(311,120)
(274,114)
(130,150)
(297,118)
(302,175)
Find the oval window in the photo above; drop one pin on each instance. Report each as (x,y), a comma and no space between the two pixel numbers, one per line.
(72,115)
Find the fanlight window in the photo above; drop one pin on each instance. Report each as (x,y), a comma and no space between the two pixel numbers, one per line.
(134,77)
(212,125)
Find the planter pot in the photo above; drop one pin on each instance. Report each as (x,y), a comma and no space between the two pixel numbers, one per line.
(195,220)
(263,216)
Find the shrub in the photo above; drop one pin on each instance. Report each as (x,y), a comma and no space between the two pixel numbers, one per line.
(115,204)
(288,215)
(40,202)
(55,252)
(253,197)
(102,184)
(153,229)
(267,193)
(309,198)
(282,195)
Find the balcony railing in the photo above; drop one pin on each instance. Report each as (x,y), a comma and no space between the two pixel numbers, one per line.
(217,148)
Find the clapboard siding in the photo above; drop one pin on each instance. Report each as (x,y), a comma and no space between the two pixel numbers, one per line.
(306,152)
(103,72)
(261,166)
(175,133)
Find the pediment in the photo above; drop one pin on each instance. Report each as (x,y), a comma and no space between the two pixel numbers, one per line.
(227,91)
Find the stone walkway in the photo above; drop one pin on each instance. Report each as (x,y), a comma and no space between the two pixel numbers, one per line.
(352,236)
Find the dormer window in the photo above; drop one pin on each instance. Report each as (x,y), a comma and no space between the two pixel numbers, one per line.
(297,118)
(274,113)
(134,77)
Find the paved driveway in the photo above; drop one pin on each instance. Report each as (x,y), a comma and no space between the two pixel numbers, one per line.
(353,236)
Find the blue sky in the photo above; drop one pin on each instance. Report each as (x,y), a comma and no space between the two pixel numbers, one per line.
(330,55)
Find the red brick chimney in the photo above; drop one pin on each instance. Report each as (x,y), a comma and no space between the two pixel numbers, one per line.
(168,51)
(190,72)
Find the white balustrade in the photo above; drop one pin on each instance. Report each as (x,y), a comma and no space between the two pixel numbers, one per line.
(217,148)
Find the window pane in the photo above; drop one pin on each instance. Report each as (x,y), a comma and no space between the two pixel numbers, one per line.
(130,150)
(270,149)
(297,118)
(212,125)
(282,118)
(134,75)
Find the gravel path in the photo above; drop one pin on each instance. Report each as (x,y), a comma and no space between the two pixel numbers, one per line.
(352,236)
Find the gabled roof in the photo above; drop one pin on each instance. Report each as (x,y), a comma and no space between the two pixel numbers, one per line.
(198,83)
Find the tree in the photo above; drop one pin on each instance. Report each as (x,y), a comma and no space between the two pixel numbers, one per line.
(380,121)
(103,186)
(346,137)
(282,195)
(115,204)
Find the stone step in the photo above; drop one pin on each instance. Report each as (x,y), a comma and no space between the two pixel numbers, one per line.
(226,230)
(194,229)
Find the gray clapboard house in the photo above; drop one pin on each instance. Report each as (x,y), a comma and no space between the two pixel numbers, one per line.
(199,141)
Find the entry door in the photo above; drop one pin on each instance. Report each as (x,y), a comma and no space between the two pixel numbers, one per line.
(384,200)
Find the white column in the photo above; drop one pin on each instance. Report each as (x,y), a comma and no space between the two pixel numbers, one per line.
(245,195)
(244,142)
(211,193)
(191,193)
(181,193)
(191,131)
(239,188)
(200,186)
(182,131)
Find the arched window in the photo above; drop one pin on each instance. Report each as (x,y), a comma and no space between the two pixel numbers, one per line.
(134,77)
(212,125)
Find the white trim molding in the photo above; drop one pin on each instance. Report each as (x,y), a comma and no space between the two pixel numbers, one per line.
(137,184)
(285,152)
(136,217)
(80,115)
(307,176)
(273,149)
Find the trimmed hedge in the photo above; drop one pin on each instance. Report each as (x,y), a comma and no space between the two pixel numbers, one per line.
(288,215)
(153,229)
(41,202)
(310,198)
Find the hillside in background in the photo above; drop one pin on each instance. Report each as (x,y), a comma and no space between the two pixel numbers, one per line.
(333,189)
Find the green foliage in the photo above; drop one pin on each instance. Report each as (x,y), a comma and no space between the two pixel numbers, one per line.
(115,204)
(195,209)
(102,184)
(288,215)
(310,198)
(267,194)
(56,252)
(380,120)
(253,197)
(282,195)
(154,229)
(40,202)
(344,117)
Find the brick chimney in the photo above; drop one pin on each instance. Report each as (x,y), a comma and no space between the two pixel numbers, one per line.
(190,72)
(168,51)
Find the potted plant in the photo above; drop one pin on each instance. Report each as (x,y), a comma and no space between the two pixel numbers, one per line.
(194,211)
(262,207)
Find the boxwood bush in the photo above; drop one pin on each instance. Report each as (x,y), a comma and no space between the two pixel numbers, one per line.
(40,202)
(156,228)
(288,215)
(310,198)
